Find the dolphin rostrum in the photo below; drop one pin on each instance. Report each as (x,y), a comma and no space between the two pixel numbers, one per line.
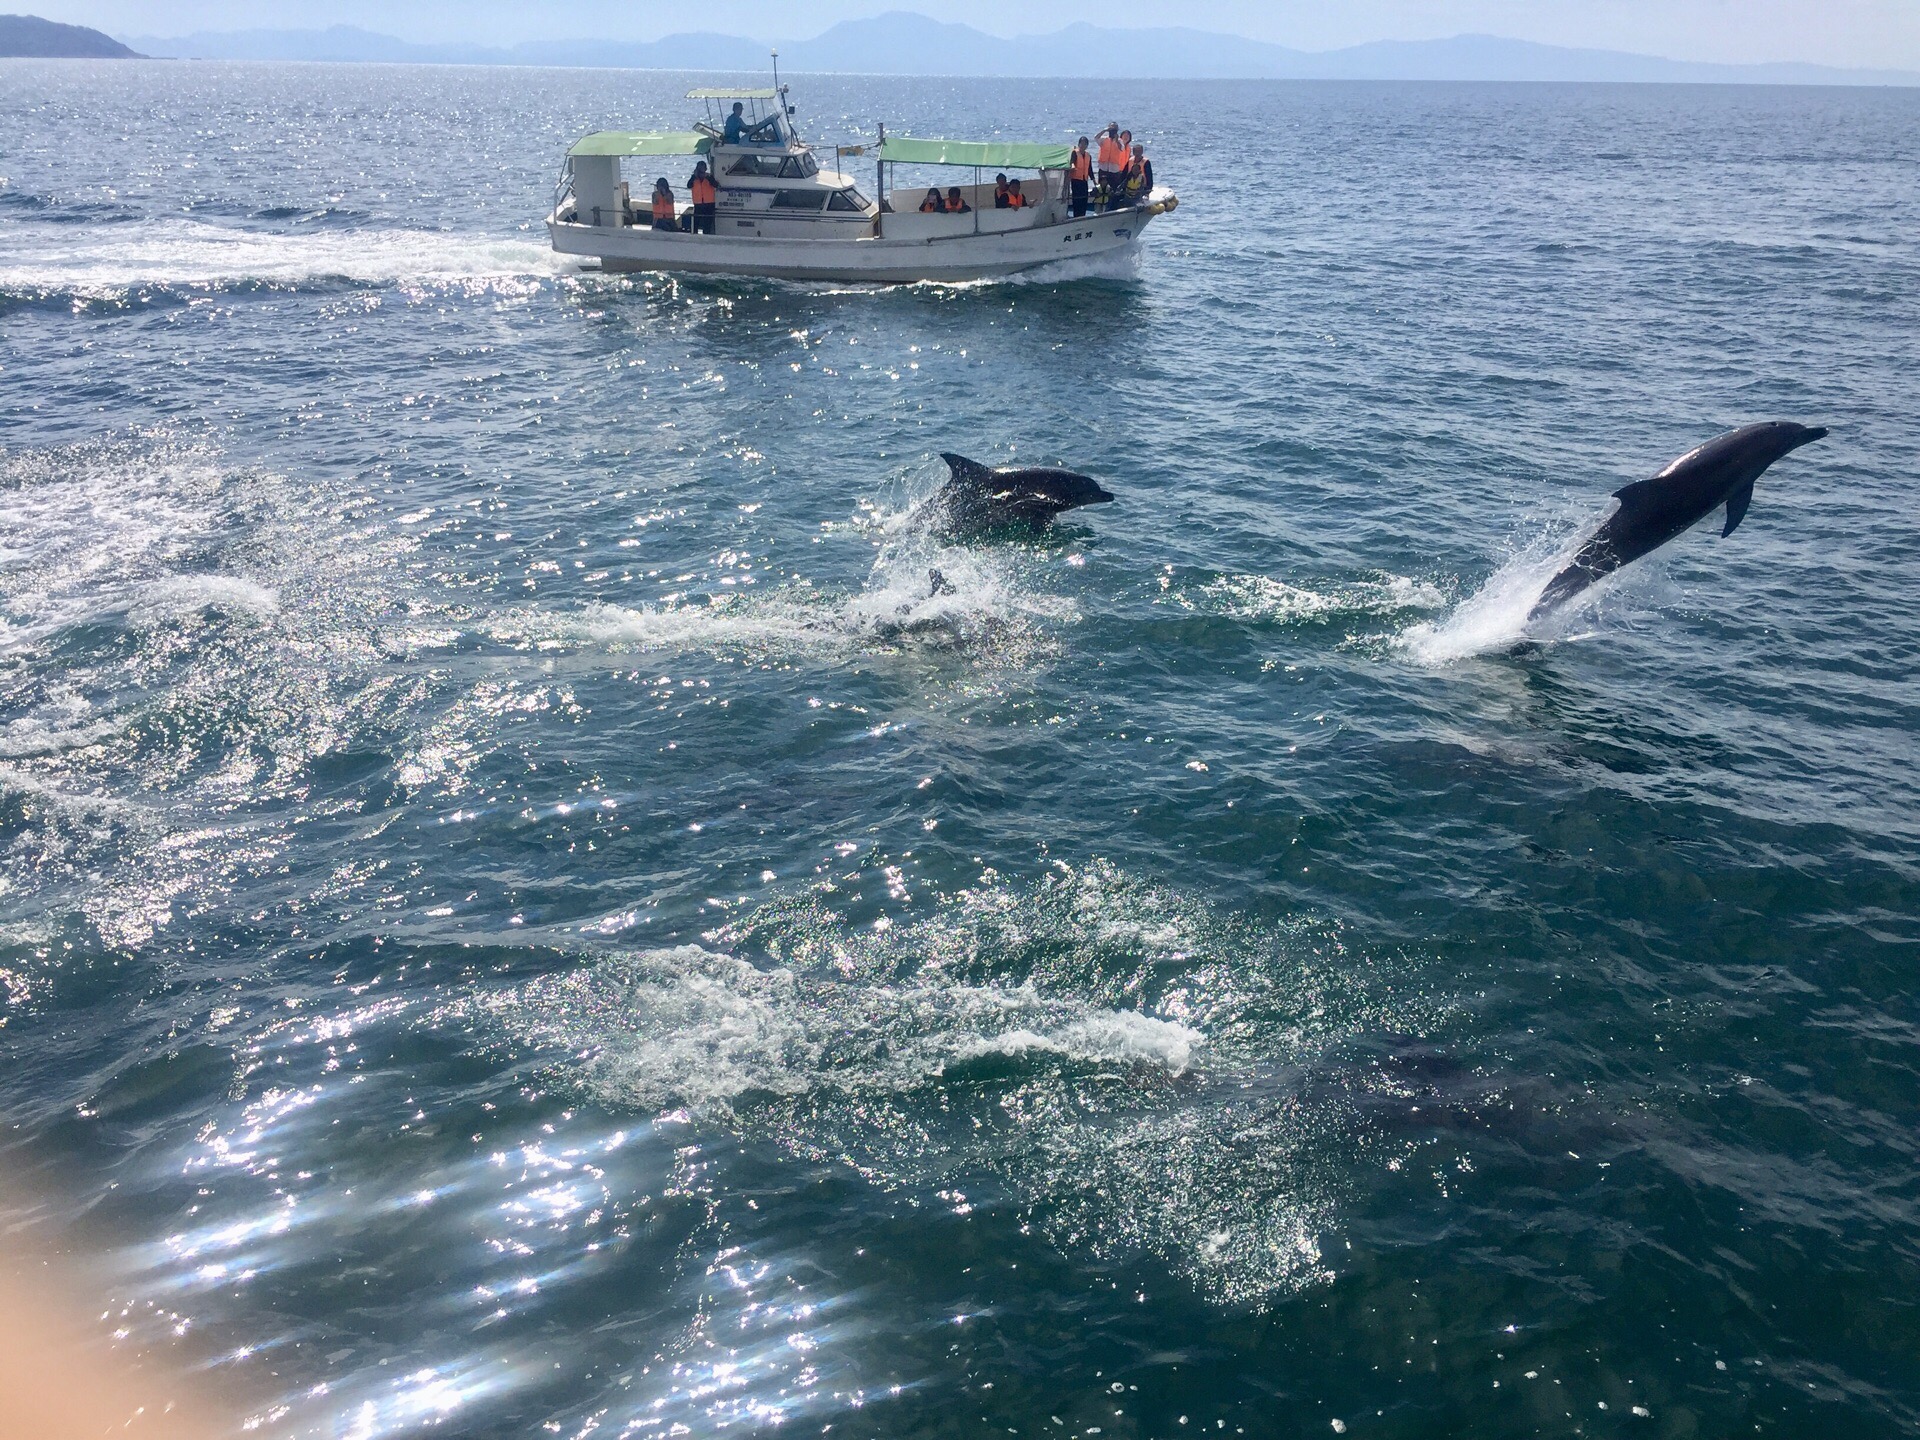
(976,500)
(1652,512)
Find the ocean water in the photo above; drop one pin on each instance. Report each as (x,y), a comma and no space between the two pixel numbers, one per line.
(523,914)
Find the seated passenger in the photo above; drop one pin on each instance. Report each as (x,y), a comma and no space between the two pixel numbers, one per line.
(663,206)
(933,205)
(957,203)
(1139,176)
(1000,192)
(1015,200)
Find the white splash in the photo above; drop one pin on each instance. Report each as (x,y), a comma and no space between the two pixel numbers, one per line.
(1496,616)
(919,593)
(1262,597)
(694,1028)
(179,596)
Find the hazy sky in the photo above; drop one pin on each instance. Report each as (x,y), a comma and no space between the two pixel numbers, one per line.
(1837,32)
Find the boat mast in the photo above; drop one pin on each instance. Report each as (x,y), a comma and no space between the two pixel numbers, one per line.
(780,101)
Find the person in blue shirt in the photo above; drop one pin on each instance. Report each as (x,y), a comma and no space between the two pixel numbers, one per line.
(739,132)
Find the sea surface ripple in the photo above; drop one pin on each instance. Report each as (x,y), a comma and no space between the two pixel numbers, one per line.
(523,908)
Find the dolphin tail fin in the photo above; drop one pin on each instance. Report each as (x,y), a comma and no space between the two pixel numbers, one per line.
(1737,504)
(965,469)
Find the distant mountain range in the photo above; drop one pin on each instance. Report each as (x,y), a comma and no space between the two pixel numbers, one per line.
(30,37)
(901,43)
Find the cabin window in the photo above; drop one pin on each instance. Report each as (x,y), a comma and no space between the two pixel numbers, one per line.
(756,165)
(799,199)
(847,200)
(798,167)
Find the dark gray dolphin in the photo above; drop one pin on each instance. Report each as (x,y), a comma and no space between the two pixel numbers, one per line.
(1652,512)
(976,501)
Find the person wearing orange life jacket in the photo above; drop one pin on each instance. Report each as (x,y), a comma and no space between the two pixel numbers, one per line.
(1000,192)
(1079,172)
(663,206)
(1139,176)
(1015,200)
(933,205)
(705,195)
(1112,159)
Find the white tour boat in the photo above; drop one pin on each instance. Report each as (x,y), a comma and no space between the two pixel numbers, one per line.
(779,214)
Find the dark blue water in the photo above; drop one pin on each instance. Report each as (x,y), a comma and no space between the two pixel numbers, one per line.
(521,914)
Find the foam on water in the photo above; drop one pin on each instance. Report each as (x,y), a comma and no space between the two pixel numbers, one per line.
(145,651)
(1078,1044)
(185,595)
(1265,598)
(107,261)
(919,593)
(700,1029)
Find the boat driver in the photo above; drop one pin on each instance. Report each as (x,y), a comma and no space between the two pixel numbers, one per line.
(739,132)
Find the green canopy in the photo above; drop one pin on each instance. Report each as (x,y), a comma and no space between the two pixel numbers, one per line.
(985,155)
(723,93)
(644,142)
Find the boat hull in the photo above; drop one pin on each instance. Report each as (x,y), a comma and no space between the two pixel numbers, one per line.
(872,259)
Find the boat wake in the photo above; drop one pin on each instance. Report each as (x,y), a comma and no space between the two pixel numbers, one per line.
(106,262)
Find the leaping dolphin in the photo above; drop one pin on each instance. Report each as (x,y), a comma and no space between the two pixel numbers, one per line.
(976,501)
(1652,512)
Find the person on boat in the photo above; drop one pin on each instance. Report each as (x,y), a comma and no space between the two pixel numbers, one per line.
(663,218)
(1015,200)
(1113,159)
(1000,192)
(1139,176)
(933,204)
(739,132)
(1079,172)
(956,202)
(706,196)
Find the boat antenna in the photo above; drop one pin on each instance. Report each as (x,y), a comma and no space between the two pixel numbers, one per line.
(780,96)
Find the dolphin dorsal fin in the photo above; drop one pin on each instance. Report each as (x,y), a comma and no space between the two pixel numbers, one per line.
(1737,504)
(965,469)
